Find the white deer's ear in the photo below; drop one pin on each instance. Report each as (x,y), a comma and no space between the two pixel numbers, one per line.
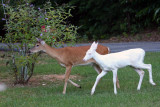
(42,42)
(94,45)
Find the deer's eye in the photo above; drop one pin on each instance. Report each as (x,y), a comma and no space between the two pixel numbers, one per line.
(37,45)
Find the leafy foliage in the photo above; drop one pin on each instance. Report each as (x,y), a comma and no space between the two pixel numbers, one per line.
(104,18)
(110,17)
(24,25)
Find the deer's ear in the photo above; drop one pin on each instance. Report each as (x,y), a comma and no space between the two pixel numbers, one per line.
(42,42)
(94,46)
(38,39)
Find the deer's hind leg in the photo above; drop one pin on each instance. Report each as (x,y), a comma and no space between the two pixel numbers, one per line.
(149,68)
(141,75)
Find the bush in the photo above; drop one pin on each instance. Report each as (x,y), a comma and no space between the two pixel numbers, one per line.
(24,25)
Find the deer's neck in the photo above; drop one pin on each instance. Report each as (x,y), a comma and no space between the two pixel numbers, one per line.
(98,58)
(51,51)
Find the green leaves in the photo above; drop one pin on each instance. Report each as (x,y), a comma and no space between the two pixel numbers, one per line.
(157,15)
(113,17)
(26,23)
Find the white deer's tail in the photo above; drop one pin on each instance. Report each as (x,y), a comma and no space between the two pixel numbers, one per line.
(3,87)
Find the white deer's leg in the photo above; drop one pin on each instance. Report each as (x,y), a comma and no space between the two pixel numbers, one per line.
(150,74)
(149,68)
(97,80)
(99,70)
(141,74)
(114,80)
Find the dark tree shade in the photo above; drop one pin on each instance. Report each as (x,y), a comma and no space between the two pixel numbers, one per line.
(99,19)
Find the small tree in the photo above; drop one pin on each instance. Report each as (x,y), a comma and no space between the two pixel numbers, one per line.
(24,24)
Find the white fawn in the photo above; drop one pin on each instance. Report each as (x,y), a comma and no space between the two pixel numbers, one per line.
(69,57)
(114,61)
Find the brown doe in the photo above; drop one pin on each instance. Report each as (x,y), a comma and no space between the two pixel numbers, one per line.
(69,57)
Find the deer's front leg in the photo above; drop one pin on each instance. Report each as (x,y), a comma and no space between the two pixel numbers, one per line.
(67,74)
(97,80)
(99,70)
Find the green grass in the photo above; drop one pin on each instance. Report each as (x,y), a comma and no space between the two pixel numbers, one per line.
(51,94)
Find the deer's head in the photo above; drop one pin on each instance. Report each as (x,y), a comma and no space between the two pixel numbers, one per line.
(91,51)
(38,47)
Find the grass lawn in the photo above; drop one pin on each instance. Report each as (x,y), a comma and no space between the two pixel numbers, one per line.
(50,94)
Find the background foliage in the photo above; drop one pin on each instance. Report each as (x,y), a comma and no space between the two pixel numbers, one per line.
(24,24)
(105,18)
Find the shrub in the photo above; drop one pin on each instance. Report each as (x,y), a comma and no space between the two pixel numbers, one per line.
(24,23)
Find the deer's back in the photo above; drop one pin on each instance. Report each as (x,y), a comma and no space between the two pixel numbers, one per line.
(75,55)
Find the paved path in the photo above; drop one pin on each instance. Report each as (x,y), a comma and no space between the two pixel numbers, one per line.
(116,47)
(147,46)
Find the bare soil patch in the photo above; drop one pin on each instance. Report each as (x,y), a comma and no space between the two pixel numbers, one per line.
(2,65)
(47,79)
(40,80)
